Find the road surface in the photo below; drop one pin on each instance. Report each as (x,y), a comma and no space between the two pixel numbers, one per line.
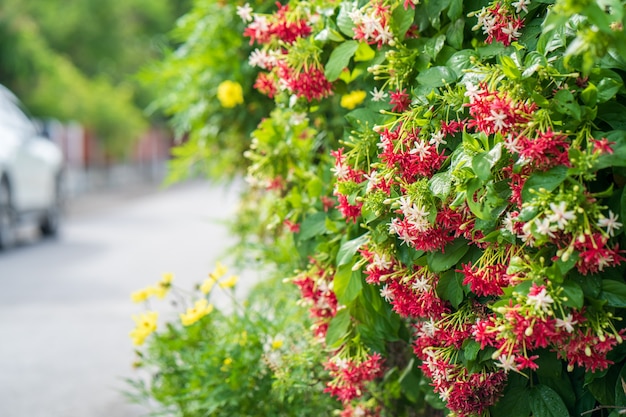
(65,310)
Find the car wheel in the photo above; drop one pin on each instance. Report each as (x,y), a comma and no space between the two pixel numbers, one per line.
(7,217)
(51,220)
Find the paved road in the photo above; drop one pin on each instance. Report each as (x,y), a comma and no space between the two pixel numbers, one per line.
(65,307)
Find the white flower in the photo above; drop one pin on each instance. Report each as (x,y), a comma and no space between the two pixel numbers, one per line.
(245,12)
(567,323)
(508,221)
(297,118)
(540,301)
(429,327)
(259,58)
(512,144)
(395,227)
(385,35)
(511,31)
(421,149)
(437,138)
(520,5)
(560,216)
(373,179)
(421,284)
(499,120)
(341,171)
(472,91)
(507,363)
(378,95)
(543,227)
(380,262)
(386,293)
(610,223)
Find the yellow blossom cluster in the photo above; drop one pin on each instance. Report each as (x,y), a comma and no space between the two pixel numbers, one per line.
(351,100)
(230,94)
(160,290)
(146,323)
(215,277)
(200,309)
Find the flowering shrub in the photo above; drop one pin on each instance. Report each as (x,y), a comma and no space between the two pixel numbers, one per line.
(205,362)
(457,233)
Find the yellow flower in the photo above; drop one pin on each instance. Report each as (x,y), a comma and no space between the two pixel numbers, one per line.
(162,288)
(229,282)
(146,323)
(166,279)
(200,309)
(207,285)
(228,361)
(353,99)
(141,295)
(230,94)
(219,271)
(243,338)
(277,343)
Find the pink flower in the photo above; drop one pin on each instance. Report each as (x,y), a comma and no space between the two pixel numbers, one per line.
(400,100)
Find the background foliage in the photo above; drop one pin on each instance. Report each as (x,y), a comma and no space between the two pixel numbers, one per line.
(76,60)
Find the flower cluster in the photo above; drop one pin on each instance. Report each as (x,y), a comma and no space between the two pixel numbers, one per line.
(160,290)
(500,22)
(146,324)
(350,376)
(476,188)
(302,76)
(315,288)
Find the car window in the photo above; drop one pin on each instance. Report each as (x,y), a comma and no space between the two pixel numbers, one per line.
(12,117)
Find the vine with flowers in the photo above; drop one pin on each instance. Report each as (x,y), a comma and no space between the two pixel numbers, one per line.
(452,175)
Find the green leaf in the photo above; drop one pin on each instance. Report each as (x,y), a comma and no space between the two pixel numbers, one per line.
(461,60)
(613,114)
(589,95)
(509,67)
(565,103)
(349,248)
(313,225)
(338,328)
(562,385)
(436,77)
(515,400)
(533,61)
(574,294)
(440,184)
(402,19)
(545,402)
(471,349)
(344,22)
(450,287)
(364,52)
(475,199)
(456,9)
(454,34)
(339,59)
(548,180)
(614,292)
(483,162)
(452,253)
(347,283)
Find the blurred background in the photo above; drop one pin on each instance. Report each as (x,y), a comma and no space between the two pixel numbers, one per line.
(74,64)
(65,309)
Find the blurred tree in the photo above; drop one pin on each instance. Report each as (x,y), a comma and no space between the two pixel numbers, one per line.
(76,59)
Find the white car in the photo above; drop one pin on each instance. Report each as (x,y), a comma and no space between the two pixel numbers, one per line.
(31,169)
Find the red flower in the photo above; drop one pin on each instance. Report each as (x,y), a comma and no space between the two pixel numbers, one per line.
(400,100)
(602,146)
